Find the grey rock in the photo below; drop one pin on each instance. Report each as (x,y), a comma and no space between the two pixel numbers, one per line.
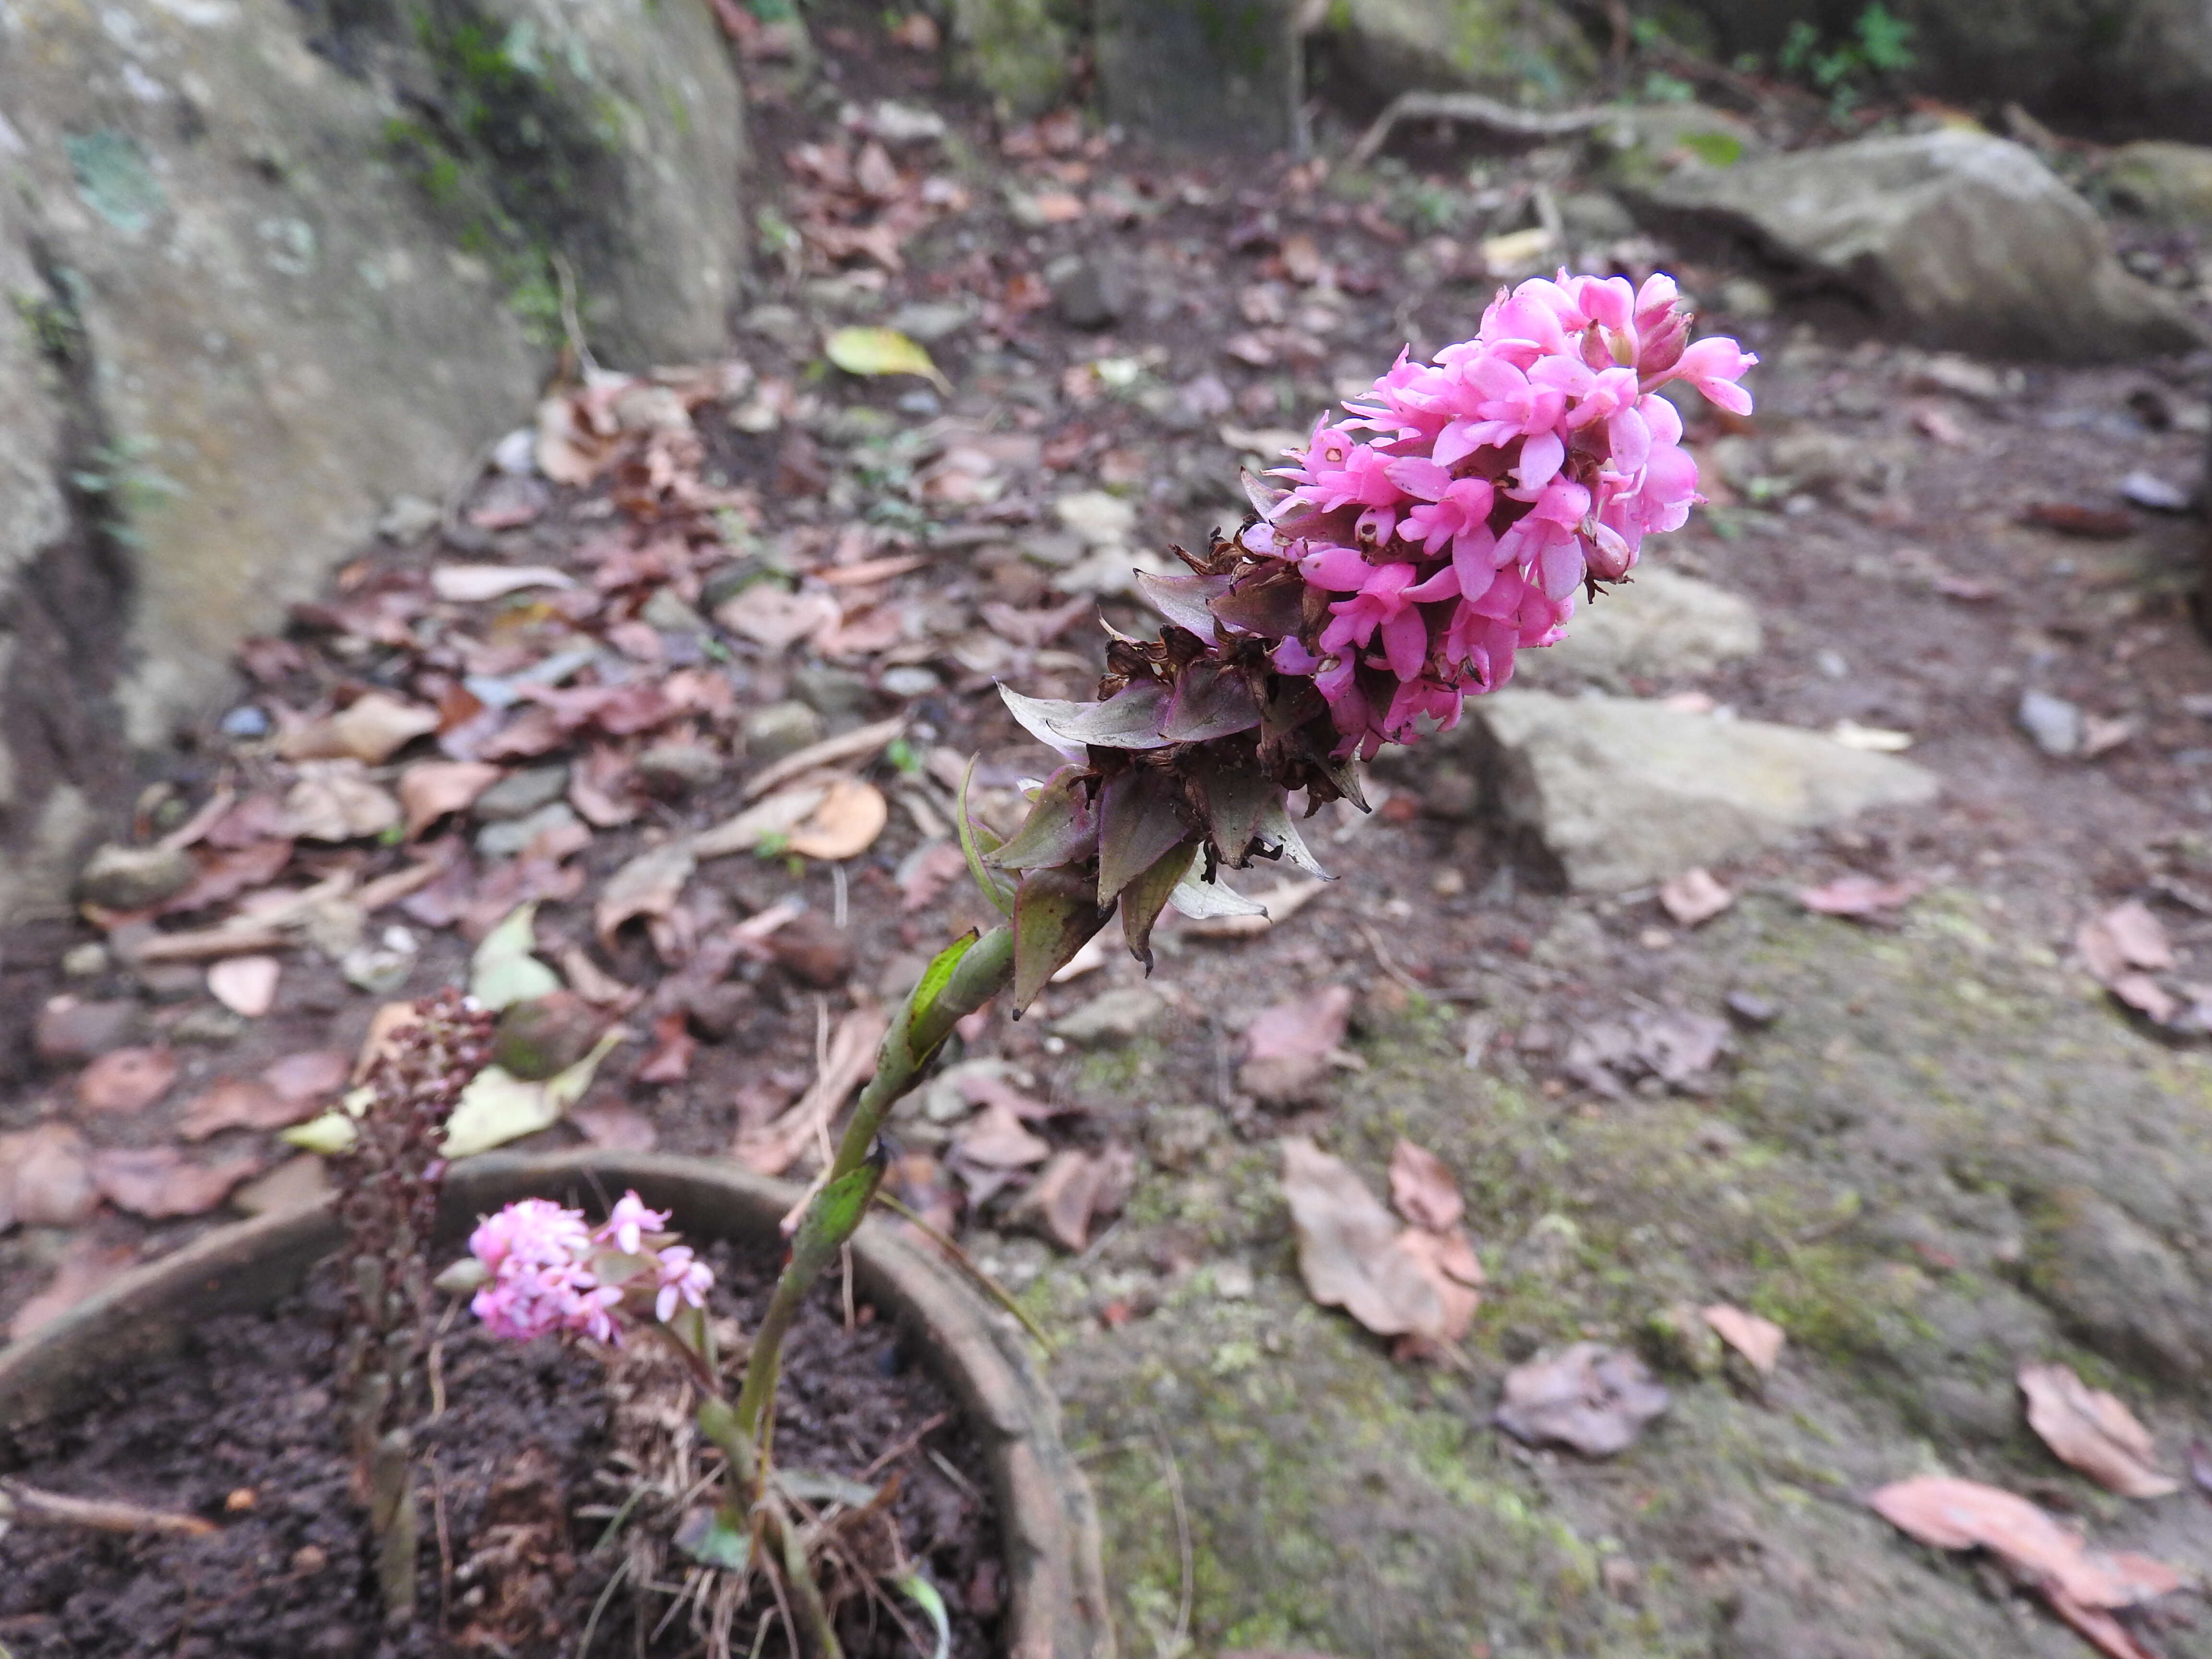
(778,729)
(2168,182)
(132,878)
(408,518)
(836,693)
(1644,143)
(70,1030)
(667,611)
(911,680)
(1116,1015)
(283,299)
(781,324)
(1507,48)
(519,794)
(679,768)
(1092,295)
(1221,74)
(87,961)
(2054,723)
(1181,1137)
(1592,215)
(1663,627)
(1958,239)
(1622,792)
(932,322)
(208,1026)
(504,840)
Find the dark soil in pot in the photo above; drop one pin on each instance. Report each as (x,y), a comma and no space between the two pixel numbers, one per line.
(528,1464)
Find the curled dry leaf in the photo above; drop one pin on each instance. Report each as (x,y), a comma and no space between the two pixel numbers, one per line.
(1422,1189)
(1587,1397)
(1287,1048)
(1759,1341)
(430,789)
(45,1177)
(775,617)
(1349,1252)
(334,800)
(615,1127)
(224,874)
(159,1182)
(233,1103)
(1075,1189)
(1861,895)
(469,584)
(845,823)
(673,1046)
(2127,936)
(303,1078)
(2092,1430)
(648,885)
(1694,897)
(372,728)
(126,1080)
(1951,1514)
(245,985)
(1450,1264)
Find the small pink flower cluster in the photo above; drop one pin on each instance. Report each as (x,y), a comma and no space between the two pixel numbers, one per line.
(547,1269)
(1515,469)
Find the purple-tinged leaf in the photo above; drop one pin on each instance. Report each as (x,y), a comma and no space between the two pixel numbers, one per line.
(1201,901)
(1054,916)
(1128,720)
(1271,606)
(1061,828)
(1275,827)
(1183,599)
(1209,700)
(1143,899)
(1235,797)
(1139,818)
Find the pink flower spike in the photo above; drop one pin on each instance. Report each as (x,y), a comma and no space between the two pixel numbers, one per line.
(1713,366)
(627,1221)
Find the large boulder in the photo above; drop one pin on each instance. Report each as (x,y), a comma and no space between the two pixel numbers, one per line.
(1620,793)
(1957,239)
(1520,51)
(271,264)
(1667,629)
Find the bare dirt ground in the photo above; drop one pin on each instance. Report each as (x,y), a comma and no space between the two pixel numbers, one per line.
(1939,1152)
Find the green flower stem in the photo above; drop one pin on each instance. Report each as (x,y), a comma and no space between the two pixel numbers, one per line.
(834,1215)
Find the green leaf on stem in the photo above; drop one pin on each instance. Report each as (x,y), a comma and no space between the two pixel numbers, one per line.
(1143,900)
(924,1595)
(1054,916)
(835,1215)
(977,842)
(707,1535)
(934,978)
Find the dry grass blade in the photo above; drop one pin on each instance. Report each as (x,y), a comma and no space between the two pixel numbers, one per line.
(32,1507)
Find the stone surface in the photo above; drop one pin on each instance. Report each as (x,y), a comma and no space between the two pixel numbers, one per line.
(271,266)
(509,836)
(1019,52)
(71,1031)
(1622,792)
(2169,182)
(1956,239)
(2053,723)
(1663,628)
(132,878)
(677,768)
(519,794)
(1114,1016)
(777,729)
(1207,74)
(1524,50)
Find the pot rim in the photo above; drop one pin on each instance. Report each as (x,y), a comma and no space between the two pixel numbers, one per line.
(1049,1535)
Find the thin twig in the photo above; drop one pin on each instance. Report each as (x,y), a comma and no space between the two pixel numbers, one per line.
(1382,959)
(592,1624)
(997,1292)
(906,1445)
(1476,110)
(572,319)
(852,1313)
(445,1542)
(31,1506)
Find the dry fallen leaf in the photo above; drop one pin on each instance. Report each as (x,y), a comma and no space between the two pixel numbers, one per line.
(245,985)
(1422,1189)
(1960,1515)
(1287,1048)
(335,801)
(159,1182)
(995,1138)
(648,885)
(126,1080)
(1694,897)
(1759,1341)
(429,789)
(926,872)
(844,824)
(773,1147)
(1076,1189)
(2125,936)
(1349,1252)
(1860,895)
(1448,1261)
(309,1075)
(1588,1397)
(372,728)
(233,1102)
(2092,1430)
(615,1127)
(89,1266)
(45,1177)
(776,617)
(673,1046)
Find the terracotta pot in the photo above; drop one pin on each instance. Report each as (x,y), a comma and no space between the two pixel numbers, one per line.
(1057,1601)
